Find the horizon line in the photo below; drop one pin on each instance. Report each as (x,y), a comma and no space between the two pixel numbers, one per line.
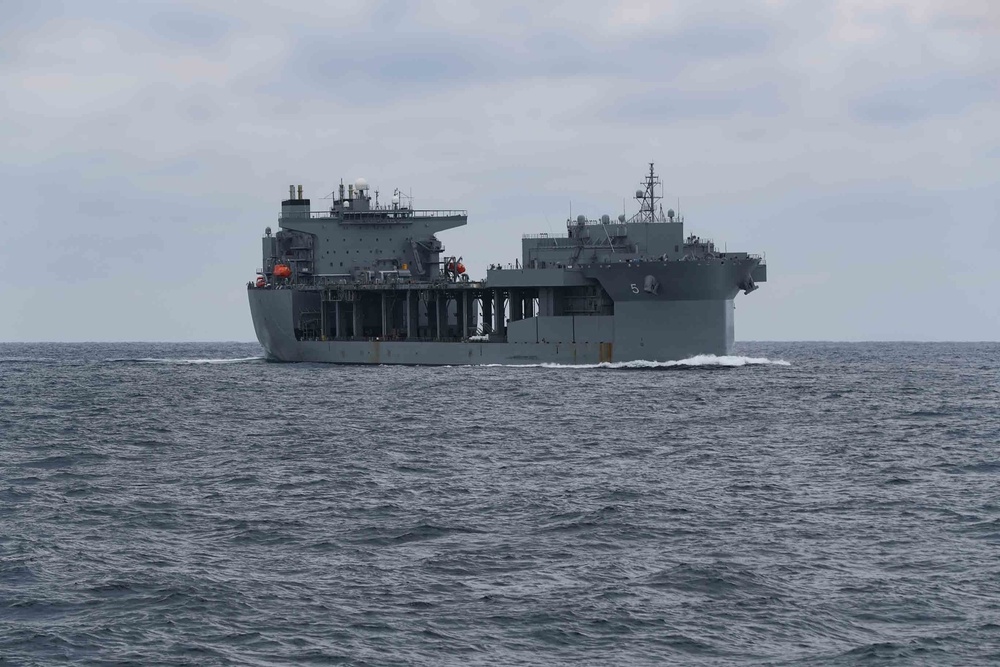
(248,342)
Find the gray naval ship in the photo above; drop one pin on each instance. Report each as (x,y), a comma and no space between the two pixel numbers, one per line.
(367,282)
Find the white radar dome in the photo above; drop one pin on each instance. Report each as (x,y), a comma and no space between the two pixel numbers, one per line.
(360,184)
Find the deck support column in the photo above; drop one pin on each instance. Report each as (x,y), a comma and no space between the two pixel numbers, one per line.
(487,298)
(322,315)
(385,316)
(440,314)
(359,318)
(546,302)
(516,305)
(463,315)
(499,325)
(411,307)
(436,316)
(529,305)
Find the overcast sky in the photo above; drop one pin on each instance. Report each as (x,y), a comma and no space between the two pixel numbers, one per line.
(145,146)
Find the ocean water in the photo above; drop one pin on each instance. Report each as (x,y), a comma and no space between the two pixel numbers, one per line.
(795,504)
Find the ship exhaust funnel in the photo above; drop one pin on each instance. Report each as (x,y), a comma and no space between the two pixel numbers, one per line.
(300,191)
(291,192)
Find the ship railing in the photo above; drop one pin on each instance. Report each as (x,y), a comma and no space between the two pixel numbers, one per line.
(544,236)
(473,338)
(391,214)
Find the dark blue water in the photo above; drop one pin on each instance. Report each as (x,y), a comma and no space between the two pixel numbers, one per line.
(159,507)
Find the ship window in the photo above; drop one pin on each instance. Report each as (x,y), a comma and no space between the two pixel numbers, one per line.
(677,248)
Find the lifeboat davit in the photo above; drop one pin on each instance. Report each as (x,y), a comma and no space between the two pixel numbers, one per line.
(282,271)
(460,268)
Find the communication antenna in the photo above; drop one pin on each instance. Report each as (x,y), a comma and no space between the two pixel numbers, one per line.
(647,198)
(605,219)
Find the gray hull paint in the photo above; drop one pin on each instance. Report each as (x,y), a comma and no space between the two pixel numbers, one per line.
(663,331)
(630,290)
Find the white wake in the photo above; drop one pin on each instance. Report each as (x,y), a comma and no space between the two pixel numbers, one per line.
(186,362)
(730,361)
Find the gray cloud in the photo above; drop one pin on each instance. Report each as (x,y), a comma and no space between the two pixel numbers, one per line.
(665,105)
(911,100)
(429,59)
(188,30)
(343,68)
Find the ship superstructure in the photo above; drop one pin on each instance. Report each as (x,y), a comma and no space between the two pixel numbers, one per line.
(368,282)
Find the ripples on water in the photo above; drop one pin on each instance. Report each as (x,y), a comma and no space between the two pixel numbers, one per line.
(192,504)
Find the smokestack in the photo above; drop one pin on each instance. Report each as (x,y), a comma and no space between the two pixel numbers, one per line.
(291,192)
(300,192)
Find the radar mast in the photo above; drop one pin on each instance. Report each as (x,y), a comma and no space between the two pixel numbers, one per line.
(648,197)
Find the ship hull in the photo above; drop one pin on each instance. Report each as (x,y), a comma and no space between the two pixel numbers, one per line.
(666,331)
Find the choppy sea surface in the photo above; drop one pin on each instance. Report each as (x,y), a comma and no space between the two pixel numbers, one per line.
(799,503)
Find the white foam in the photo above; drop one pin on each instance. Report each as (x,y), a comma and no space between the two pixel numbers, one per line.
(698,360)
(185,362)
